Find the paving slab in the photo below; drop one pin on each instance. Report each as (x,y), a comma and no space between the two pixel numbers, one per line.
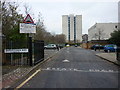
(111,57)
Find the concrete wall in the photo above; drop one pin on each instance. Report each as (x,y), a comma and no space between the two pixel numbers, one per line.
(79,28)
(65,26)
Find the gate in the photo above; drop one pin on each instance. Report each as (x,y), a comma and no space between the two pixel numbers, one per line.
(23,53)
(38,51)
(13,54)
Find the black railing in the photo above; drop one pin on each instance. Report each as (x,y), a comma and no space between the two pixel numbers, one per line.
(15,58)
(118,53)
(34,55)
(38,51)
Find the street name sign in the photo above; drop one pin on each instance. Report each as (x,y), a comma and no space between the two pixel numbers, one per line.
(27,28)
(16,50)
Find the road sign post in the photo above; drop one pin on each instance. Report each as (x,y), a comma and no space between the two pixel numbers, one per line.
(28,27)
(30,51)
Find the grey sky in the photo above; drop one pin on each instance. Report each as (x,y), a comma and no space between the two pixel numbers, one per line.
(92,12)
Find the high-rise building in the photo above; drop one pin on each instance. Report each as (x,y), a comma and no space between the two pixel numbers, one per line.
(72,28)
(119,15)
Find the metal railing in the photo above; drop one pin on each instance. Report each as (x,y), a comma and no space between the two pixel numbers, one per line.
(34,55)
(118,53)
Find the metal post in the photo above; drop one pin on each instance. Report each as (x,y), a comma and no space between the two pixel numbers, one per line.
(30,50)
(22,59)
(11,53)
(11,58)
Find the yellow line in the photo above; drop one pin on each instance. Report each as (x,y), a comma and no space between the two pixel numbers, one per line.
(27,80)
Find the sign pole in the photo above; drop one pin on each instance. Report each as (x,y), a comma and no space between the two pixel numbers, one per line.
(11,53)
(30,50)
(29,27)
(21,59)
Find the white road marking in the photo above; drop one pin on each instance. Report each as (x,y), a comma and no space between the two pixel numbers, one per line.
(53,68)
(79,70)
(48,68)
(66,60)
(63,69)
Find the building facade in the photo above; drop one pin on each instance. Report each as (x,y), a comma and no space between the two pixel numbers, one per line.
(85,38)
(72,28)
(101,31)
(119,15)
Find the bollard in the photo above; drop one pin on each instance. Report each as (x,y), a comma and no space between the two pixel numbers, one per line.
(118,53)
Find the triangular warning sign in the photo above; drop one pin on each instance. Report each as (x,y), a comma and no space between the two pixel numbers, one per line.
(28,19)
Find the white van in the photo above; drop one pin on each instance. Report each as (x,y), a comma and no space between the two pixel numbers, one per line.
(50,46)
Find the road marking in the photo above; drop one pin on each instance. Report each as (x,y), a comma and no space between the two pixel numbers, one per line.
(27,80)
(80,70)
(48,68)
(65,61)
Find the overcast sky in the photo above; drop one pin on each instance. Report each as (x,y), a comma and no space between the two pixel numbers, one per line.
(92,11)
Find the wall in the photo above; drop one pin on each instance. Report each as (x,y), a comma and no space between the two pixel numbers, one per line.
(105,29)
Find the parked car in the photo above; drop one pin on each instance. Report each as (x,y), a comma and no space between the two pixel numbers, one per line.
(67,45)
(97,46)
(50,46)
(110,48)
(75,45)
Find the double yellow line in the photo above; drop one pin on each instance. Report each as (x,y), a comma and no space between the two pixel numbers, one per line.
(27,79)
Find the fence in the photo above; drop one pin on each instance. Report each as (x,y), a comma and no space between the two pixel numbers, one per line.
(38,51)
(21,53)
(11,57)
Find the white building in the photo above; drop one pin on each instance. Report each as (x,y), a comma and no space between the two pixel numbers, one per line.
(101,31)
(0,19)
(119,14)
(72,27)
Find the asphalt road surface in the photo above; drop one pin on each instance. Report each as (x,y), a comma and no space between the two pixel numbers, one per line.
(74,67)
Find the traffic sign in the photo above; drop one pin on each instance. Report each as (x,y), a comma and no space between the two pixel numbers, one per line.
(27,28)
(28,19)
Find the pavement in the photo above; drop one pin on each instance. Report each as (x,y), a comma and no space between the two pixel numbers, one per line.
(15,73)
(111,57)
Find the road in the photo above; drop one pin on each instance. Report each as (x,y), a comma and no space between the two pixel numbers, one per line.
(73,67)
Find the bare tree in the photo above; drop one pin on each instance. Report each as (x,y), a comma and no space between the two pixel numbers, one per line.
(60,38)
(27,9)
(10,19)
(99,35)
